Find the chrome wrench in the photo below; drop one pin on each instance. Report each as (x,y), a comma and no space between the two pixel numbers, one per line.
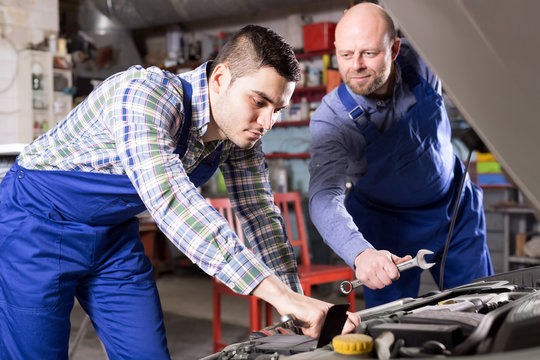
(418,261)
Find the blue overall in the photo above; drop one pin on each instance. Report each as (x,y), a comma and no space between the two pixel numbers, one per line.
(405,200)
(66,234)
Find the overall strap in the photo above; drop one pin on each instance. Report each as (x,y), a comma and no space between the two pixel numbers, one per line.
(354,109)
(409,75)
(207,167)
(186,102)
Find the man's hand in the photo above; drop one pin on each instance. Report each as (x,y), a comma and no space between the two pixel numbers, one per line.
(377,268)
(310,311)
(351,324)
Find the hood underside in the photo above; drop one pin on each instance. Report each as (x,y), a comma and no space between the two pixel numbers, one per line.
(486,53)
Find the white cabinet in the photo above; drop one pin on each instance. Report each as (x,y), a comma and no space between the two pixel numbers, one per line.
(35,93)
(41,100)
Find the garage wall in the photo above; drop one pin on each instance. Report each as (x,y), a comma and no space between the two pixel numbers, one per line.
(22,22)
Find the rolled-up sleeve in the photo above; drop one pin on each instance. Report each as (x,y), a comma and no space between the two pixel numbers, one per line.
(247,178)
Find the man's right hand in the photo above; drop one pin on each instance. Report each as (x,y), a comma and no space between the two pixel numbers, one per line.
(309,311)
(377,268)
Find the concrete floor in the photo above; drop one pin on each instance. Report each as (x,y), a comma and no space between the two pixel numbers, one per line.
(186,299)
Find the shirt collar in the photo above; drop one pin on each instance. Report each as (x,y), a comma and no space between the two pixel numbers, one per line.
(200,103)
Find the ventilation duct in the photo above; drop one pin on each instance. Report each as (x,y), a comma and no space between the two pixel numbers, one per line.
(110,23)
(104,32)
(136,14)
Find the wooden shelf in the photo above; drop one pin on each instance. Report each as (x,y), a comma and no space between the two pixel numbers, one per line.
(288,156)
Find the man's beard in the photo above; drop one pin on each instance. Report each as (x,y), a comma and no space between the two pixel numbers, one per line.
(368,88)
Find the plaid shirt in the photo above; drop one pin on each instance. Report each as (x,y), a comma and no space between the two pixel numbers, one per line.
(130,125)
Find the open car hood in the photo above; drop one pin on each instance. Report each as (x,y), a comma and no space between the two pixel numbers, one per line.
(487,54)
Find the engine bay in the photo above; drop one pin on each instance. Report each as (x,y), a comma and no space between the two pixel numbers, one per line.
(493,315)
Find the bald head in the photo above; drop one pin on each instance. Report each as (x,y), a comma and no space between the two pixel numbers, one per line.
(366,18)
(366,47)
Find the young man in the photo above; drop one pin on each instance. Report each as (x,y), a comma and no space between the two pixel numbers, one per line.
(146,139)
(386,130)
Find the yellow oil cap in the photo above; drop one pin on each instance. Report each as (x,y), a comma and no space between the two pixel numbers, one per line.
(352,344)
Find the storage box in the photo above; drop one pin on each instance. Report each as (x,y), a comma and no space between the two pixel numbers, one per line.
(333,79)
(319,36)
(488,170)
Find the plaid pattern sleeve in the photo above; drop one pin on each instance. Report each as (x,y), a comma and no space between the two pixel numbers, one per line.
(146,150)
(247,178)
(130,126)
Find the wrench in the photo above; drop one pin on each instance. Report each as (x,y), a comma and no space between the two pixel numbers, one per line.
(418,261)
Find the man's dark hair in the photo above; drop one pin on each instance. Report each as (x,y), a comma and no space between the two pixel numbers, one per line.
(254,47)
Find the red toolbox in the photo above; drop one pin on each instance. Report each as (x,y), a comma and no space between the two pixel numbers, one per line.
(319,36)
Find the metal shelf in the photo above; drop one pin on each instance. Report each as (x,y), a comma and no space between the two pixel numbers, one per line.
(523,214)
(301,56)
(513,210)
(288,156)
(524,260)
(309,89)
(311,93)
(292,123)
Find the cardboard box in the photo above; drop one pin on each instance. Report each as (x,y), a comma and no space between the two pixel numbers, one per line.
(521,239)
(319,36)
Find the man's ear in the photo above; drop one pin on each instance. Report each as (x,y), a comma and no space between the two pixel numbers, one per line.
(395,48)
(220,78)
